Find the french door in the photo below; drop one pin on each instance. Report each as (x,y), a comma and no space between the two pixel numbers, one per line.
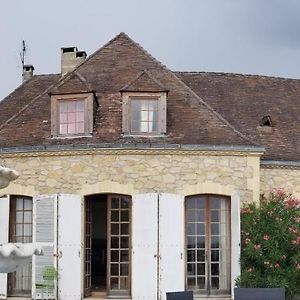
(118,240)
(208,244)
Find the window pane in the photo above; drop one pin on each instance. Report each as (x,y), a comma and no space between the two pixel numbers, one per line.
(63,118)
(191,283)
(214,269)
(80,116)
(124,229)
(80,105)
(63,129)
(191,242)
(27,204)
(191,255)
(115,242)
(191,228)
(114,283)
(71,106)
(214,229)
(27,229)
(114,255)
(63,106)
(125,215)
(201,269)
(201,283)
(79,127)
(19,217)
(114,269)
(27,217)
(115,229)
(124,269)
(191,269)
(124,283)
(19,204)
(200,255)
(115,203)
(72,128)
(124,256)
(135,126)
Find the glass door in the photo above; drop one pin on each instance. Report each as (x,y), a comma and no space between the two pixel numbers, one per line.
(119,221)
(208,244)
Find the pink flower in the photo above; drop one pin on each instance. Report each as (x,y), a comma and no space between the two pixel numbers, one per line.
(257,246)
(266,237)
(297,220)
(294,242)
(280,193)
(250,270)
(298,239)
(277,265)
(291,202)
(298,266)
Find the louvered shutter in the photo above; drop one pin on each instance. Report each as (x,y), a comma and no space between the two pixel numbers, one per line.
(69,247)
(45,234)
(144,246)
(171,243)
(4,231)
(235,239)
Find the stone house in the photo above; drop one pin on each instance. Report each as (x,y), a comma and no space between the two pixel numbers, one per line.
(132,175)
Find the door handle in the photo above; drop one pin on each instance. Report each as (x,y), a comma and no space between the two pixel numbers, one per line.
(58,255)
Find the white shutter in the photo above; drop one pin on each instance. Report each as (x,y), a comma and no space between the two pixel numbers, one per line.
(235,239)
(44,233)
(171,243)
(69,247)
(144,246)
(4,230)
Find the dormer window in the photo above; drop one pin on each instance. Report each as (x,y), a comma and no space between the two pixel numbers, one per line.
(144,113)
(72,115)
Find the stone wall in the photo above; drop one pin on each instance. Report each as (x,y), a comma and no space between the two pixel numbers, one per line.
(288,179)
(136,173)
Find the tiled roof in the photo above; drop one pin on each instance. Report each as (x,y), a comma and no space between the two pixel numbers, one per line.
(244,100)
(202,108)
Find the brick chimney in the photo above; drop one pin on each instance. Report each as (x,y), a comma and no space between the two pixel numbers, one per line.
(27,72)
(71,58)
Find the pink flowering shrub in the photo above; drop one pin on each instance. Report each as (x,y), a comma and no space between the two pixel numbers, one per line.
(270,255)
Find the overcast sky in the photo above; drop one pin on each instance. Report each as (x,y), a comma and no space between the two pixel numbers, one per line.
(238,36)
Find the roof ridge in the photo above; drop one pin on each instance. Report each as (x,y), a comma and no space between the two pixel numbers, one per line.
(235,74)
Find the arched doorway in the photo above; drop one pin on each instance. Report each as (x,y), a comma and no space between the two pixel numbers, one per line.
(107,245)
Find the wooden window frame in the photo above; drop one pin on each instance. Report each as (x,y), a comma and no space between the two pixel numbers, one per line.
(208,291)
(161,97)
(89,107)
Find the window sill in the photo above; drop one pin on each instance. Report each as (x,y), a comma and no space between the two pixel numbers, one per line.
(63,137)
(144,135)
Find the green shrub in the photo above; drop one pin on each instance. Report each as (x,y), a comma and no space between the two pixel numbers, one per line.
(270,243)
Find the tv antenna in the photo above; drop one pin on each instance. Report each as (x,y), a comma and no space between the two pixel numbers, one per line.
(23,53)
